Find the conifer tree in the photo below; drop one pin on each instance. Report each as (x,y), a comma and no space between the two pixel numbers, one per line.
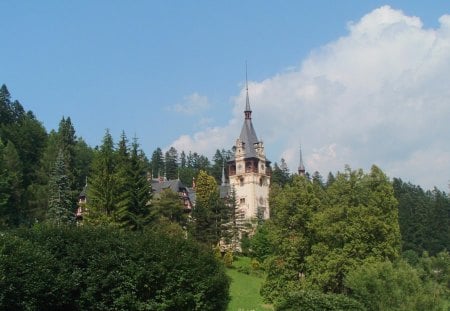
(102,200)
(16,191)
(134,210)
(4,190)
(171,163)
(60,211)
(157,163)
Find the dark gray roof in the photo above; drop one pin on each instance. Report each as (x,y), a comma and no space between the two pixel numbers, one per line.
(249,138)
(174,185)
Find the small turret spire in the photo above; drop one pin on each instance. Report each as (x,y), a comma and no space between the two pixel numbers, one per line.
(223,173)
(248,110)
(301,166)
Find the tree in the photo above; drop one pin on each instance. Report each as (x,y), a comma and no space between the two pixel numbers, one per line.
(168,207)
(171,163)
(102,200)
(360,222)
(157,163)
(280,173)
(206,214)
(134,209)
(292,210)
(387,286)
(15,190)
(424,218)
(60,211)
(4,190)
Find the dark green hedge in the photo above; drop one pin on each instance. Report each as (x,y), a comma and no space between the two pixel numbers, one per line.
(48,268)
(317,301)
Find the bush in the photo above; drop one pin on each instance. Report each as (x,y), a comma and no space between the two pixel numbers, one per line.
(105,269)
(387,286)
(317,301)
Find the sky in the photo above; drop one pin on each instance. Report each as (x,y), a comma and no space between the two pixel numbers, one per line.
(352,82)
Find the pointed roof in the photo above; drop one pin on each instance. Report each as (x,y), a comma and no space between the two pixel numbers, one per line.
(301,166)
(248,134)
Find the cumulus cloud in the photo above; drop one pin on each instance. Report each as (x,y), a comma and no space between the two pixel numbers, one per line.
(378,95)
(192,104)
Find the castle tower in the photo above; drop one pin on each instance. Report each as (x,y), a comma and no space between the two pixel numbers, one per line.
(249,170)
(301,167)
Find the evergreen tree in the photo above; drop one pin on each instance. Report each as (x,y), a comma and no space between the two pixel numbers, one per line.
(171,163)
(4,189)
(182,159)
(134,212)
(280,173)
(157,162)
(60,211)
(15,189)
(102,199)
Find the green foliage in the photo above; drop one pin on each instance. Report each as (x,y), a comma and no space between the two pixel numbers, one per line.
(210,212)
(360,222)
(290,237)
(60,211)
(157,163)
(134,194)
(102,204)
(168,206)
(260,243)
(171,163)
(280,173)
(228,259)
(424,218)
(93,268)
(387,286)
(317,301)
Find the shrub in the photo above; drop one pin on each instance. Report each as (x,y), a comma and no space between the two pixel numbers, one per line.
(317,301)
(105,269)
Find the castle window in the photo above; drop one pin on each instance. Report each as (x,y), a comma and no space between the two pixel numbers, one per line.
(241,181)
(242,201)
(261,182)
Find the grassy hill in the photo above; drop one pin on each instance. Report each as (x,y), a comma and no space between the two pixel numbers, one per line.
(244,289)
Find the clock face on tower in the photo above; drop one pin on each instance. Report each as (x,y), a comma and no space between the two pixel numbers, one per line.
(239,166)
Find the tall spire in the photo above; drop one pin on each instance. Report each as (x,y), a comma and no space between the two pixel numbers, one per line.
(248,111)
(301,167)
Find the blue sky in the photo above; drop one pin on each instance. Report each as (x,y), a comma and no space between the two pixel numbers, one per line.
(172,73)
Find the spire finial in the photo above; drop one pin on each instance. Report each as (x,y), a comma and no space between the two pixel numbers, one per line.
(248,111)
(223,172)
(301,166)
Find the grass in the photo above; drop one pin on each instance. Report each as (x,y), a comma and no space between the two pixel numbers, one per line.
(244,289)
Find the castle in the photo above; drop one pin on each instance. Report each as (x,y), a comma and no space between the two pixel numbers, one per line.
(249,170)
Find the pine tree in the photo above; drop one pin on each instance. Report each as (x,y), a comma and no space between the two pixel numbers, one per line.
(4,190)
(16,191)
(60,211)
(134,212)
(157,163)
(171,163)
(102,190)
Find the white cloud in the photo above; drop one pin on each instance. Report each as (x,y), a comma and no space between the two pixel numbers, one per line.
(379,95)
(192,104)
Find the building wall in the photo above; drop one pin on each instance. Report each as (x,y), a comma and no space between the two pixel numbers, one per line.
(252,186)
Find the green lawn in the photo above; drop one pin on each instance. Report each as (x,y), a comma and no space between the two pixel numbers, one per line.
(244,289)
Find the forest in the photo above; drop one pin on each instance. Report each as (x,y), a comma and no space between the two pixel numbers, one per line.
(354,240)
